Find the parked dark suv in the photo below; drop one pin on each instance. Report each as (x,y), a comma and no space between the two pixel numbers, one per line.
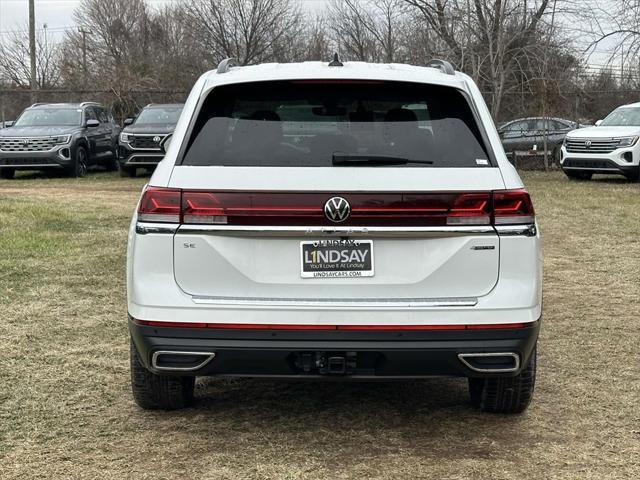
(141,139)
(69,136)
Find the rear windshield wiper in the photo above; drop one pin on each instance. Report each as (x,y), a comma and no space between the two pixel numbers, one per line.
(346,159)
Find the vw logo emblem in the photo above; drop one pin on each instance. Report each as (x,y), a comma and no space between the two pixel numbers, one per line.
(337,209)
(156,139)
(587,144)
(25,141)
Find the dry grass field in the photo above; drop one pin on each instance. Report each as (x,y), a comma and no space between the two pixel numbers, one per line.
(66,409)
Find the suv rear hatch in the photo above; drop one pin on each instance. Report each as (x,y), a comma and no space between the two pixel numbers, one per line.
(264,160)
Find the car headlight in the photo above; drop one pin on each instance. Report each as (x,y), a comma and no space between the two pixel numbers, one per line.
(125,137)
(62,139)
(627,141)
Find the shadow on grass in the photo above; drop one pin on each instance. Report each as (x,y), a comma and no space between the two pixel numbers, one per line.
(94,173)
(338,404)
(617,180)
(433,415)
(306,396)
(46,174)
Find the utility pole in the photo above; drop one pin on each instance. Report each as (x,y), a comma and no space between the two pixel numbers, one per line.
(32,48)
(85,31)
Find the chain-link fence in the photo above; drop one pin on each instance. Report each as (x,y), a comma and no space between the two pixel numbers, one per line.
(122,104)
(580,106)
(583,107)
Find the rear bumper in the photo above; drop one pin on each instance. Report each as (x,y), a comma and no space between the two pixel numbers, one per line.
(57,158)
(367,354)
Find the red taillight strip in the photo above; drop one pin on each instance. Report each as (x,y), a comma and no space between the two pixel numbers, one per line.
(280,326)
(334,81)
(399,327)
(371,209)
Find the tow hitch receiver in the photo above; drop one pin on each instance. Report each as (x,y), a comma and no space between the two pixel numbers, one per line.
(326,363)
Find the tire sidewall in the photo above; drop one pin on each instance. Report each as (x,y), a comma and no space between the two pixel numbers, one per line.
(79,165)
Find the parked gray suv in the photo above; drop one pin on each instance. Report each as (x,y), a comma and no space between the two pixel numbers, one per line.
(142,137)
(68,136)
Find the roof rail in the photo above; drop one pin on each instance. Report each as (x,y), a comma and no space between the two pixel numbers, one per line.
(442,65)
(225,65)
(82,104)
(37,104)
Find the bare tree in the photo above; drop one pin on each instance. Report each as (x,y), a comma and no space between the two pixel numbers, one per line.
(176,59)
(369,30)
(250,31)
(318,42)
(486,38)
(520,62)
(618,27)
(348,31)
(120,52)
(14,59)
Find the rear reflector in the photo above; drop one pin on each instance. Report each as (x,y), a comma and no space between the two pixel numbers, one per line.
(502,207)
(254,326)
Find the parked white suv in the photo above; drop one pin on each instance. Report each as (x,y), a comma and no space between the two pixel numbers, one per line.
(322,220)
(609,147)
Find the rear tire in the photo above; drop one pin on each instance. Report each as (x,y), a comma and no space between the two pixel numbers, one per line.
(505,394)
(158,392)
(7,173)
(126,172)
(579,175)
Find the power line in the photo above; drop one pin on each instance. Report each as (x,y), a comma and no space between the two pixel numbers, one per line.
(48,29)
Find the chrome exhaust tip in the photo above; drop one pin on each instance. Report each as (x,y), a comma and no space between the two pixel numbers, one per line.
(174,361)
(493,362)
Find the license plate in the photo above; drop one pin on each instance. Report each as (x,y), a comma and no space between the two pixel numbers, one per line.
(336,258)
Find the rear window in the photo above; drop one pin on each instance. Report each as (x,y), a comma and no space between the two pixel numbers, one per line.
(311,123)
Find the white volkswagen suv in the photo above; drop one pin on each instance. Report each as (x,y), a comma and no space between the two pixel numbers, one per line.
(610,147)
(345,221)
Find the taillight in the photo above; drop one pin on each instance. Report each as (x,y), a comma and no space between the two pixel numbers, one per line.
(470,209)
(512,207)
(160,205)
(500,207)
(202,207)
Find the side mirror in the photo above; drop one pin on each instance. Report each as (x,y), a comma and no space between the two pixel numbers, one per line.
(8,124)
(598,123)
(127,121)
(164,145)
(93,123)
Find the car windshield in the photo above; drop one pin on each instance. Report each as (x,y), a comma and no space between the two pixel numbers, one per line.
(313,123)
(623,117)
(49,117)
(159,115)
